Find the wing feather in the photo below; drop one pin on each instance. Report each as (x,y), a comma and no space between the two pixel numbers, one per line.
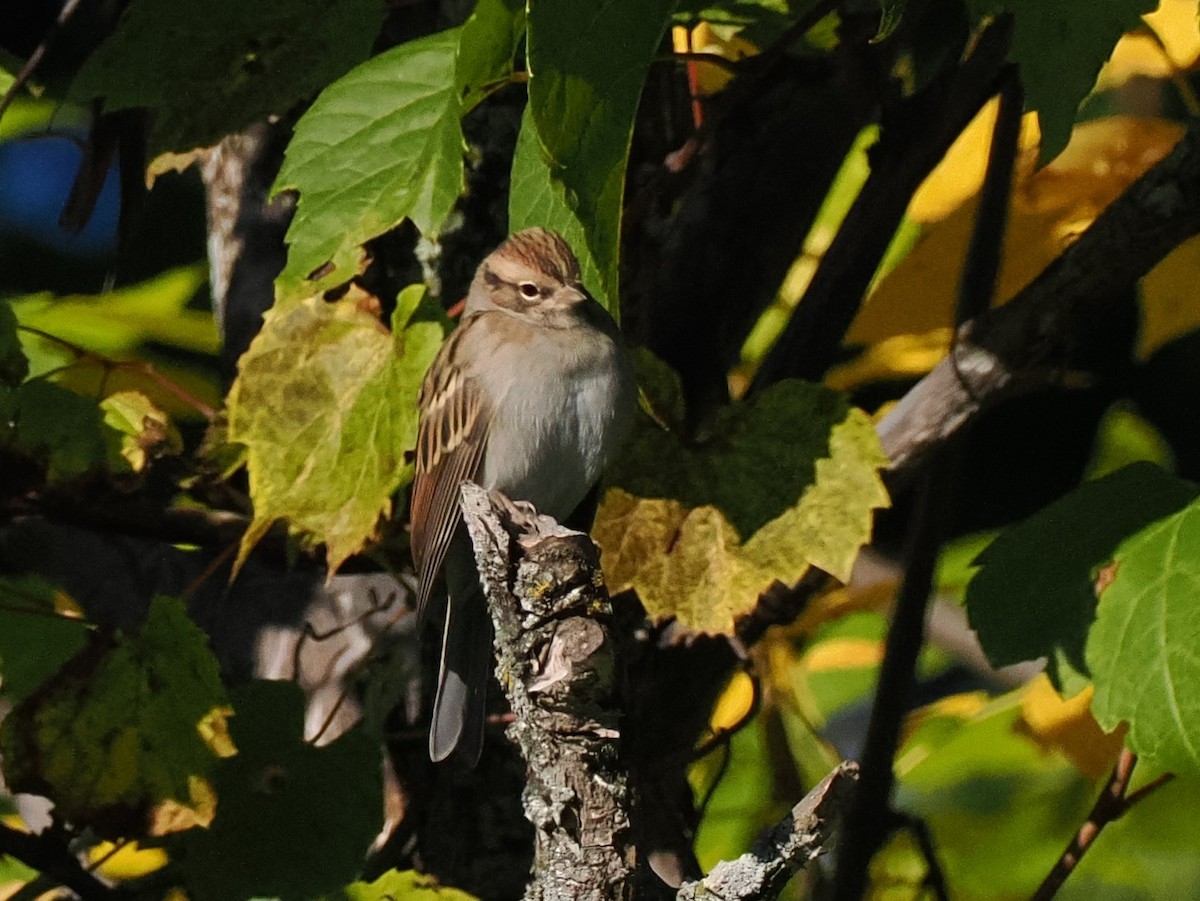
(451,439)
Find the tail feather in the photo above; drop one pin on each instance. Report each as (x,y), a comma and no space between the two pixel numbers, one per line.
(459,706)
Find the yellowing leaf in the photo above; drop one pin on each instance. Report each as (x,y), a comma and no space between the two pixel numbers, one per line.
(396,884)
(1068,726)
(170,816)
(959,176)
(709,77)
(117,731)
(145,430)
(796,472)
(326,405)
(834,605)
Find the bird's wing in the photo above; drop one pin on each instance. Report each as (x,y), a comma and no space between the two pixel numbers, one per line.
(450,443)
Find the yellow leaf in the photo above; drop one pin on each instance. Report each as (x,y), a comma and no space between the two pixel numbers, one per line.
(843,654)
(1050,208)
(959,176)
(1178,28)
(1169,307)
(711,78)
(734,704)
(127,861)
(143,430)
(841,602)
(1069,727)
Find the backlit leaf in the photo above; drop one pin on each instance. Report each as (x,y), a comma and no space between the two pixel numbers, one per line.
(538,198)
(1068,726)
(379,145)
(487,47)
(394,884)
(145,431)
(587,65)
(1142,650)
(13,365)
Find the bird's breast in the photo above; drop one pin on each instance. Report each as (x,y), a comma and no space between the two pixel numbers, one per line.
(557,424)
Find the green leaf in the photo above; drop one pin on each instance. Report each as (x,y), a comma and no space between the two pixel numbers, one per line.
(293,821)
(758,21)
(1060,48)
(57,428)
(537,198)
(13,364)
(789,480)
(487,47)
(892,13)
(394,884)
(1034,594)
(1142,650)
(37,634)
(379,145)
(85,334)
(209,69)
(130,723)
(118,322)
(326,404)
(587,65)
(989,796)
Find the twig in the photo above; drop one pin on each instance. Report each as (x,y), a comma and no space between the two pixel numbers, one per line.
(869,819)
(35,58)
(1113,803)
(107,363)
(803,835)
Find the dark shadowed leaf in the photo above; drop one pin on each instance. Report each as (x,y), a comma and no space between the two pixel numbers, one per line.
(208,69)
(1034,595)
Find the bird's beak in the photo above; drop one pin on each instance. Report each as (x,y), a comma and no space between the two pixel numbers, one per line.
(569,296)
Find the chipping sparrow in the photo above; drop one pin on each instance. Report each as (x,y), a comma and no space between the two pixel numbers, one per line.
(531,395)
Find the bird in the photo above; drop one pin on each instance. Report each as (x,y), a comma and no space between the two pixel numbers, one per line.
(532,395)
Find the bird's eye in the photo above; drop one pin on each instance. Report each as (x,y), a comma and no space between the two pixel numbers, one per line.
(529,290)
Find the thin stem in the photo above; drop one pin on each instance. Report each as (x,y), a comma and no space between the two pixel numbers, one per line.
(109,364)
(870,818)
(1114,802)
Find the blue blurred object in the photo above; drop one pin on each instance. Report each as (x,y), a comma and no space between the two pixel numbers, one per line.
(36,174)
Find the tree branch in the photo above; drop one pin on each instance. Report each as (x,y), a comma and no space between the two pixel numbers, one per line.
(913,141)
(1019,345)
(799,838)
(557,661)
